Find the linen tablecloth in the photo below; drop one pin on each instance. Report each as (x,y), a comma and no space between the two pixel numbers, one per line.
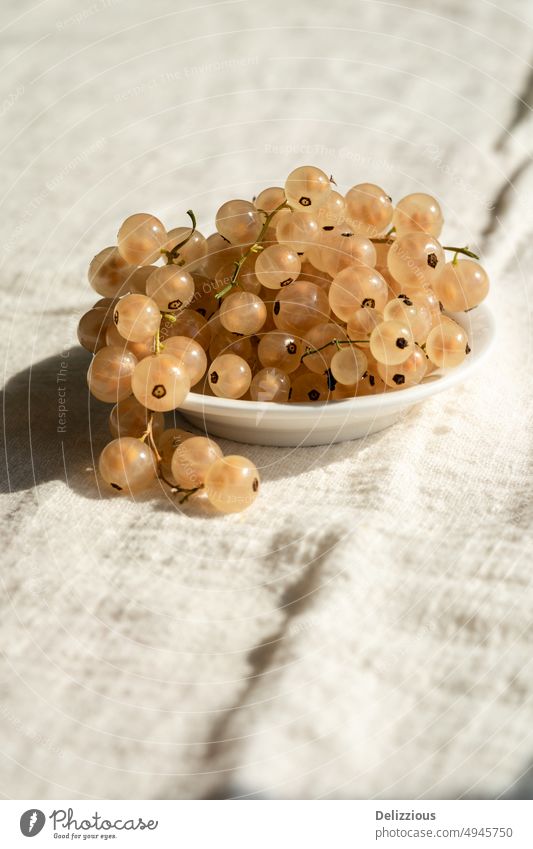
(364,630)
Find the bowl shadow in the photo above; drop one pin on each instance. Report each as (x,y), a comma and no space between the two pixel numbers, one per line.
(53,429)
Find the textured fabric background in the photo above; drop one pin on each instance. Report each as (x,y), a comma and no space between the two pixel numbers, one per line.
(365,629)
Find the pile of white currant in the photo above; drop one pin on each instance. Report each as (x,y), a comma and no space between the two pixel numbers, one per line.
(301,295)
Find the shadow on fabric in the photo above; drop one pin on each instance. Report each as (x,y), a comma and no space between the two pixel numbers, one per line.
(53,429)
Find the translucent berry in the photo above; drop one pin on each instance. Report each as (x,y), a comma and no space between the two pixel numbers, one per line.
(270,384)
(462,286)
(92,329)
(447,344)
(418,211)
(239,222)
(348,365)
(277,266)
(191,355)
(160,382)
(299,306)
(243,312)
(167,442)
(405,374)
(110,374)
(280,350)
(269,199)
(416,316)
(356,287)
(141,239)
(109,273)
(191,460)
(193,252)
(229,376)
(232,483)
(307,188)
(416,259)
(333,211)
(137,317)
(310,387)
(129,418)
(299,230)
(391,342)
(368,209)
(128,465)
(170,287)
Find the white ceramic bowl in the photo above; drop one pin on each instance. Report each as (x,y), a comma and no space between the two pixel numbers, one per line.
(265,423)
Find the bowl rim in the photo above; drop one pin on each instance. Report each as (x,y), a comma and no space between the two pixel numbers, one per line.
(438,381)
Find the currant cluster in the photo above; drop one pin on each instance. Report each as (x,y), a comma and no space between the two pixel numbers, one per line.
(301,295)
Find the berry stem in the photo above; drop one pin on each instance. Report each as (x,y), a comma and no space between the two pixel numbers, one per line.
(148,435)
(337,342)
(188,492)
(466,250)
(253,249)
(179,490)
(174,253)
(158,346)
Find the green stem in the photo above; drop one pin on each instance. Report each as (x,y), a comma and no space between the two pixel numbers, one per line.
(385,240)
(253,249)
(179,490)
(149,435)
(464,251)
(189,492)
(158,345)
(337,342)
(174,253)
